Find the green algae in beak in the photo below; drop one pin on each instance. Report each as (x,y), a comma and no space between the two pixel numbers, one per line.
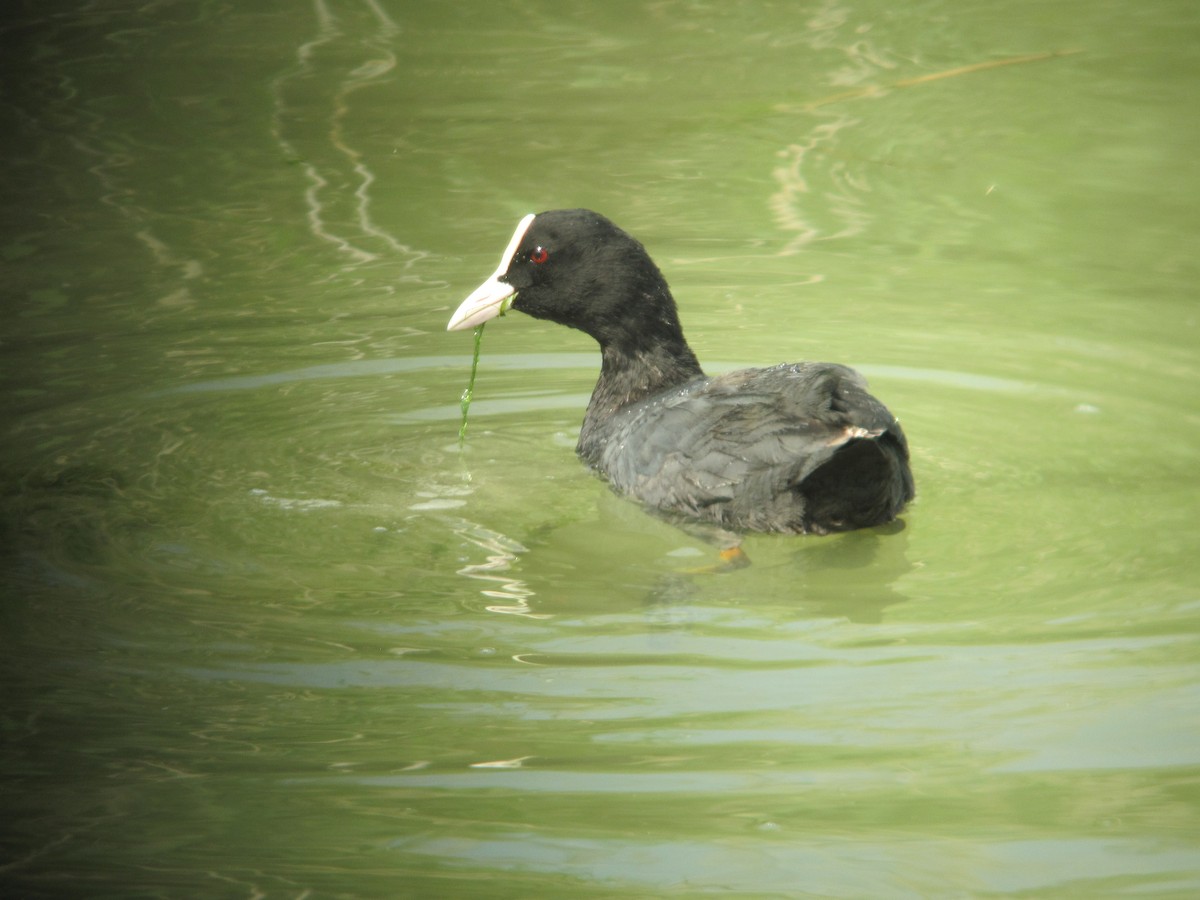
(465,403)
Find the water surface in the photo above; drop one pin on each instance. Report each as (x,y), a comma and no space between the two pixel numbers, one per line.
(268,631)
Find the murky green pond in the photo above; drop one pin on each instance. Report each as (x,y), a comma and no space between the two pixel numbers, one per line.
(268,632)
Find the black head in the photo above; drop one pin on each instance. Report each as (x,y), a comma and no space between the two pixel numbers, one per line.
(575,267)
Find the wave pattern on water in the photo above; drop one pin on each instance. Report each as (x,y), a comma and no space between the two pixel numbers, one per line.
(350,62)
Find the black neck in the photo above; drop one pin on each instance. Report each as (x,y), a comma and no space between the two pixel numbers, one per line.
(628,375)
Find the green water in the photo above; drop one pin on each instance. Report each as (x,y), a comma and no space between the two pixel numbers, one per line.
(268,632)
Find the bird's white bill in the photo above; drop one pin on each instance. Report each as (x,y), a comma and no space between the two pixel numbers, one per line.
(493,297)
(486,302)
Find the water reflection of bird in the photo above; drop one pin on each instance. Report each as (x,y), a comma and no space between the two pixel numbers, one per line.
(799,447)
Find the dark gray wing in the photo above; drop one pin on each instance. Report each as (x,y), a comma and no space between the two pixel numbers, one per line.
(733,448)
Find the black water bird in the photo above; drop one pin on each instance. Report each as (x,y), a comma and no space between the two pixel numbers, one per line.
(799,447)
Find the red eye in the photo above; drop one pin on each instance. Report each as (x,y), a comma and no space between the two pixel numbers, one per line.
(538,255)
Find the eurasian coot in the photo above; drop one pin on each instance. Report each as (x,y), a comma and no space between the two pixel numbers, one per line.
(799,447)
